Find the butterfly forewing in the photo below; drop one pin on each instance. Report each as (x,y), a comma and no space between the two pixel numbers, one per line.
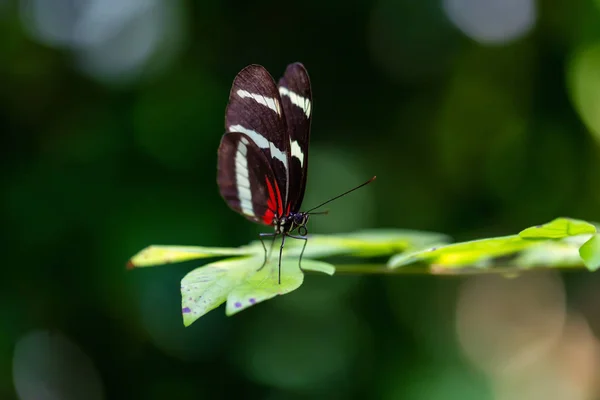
(246,180)
(296,100)
(255,110)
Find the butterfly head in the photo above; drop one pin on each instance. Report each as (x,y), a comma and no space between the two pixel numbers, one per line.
(291,222)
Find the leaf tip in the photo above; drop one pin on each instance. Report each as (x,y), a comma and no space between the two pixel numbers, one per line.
(590,253)
(130,265)
(188,316)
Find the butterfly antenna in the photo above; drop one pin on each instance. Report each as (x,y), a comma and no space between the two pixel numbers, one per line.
(320,212)
(341,195)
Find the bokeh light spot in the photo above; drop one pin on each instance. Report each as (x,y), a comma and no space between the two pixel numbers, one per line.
(112,40)
(506,325)
(47,365)
(569,371)
(492,21)
(584,85)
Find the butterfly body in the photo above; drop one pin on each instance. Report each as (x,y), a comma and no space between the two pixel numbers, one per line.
(263,156)
(291,222)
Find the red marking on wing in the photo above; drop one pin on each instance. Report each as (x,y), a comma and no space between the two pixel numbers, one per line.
(279,201)
(268,217)
(269,214)
(274,203)
(288,209)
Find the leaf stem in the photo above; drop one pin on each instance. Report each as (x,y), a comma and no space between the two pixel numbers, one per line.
(377,269)
(382,269)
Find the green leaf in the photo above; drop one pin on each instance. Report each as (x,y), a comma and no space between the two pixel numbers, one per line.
(365,243)
(160,255)
(557,229)
(207,287)
(242,283)
(264,285)
(464,253)
(552,253)
(318,266)
(395,235)
(590,253)
(555,244)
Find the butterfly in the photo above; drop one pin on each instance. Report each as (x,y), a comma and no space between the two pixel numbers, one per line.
(263,155)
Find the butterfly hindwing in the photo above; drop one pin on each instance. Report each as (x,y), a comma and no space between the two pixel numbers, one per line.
(255,110)
(296,100)
(246,180)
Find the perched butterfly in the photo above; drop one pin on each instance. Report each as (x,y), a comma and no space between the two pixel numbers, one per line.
(263,156)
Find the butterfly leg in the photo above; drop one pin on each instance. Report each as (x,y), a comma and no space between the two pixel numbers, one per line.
(280,252)
(303,247)
(261,236)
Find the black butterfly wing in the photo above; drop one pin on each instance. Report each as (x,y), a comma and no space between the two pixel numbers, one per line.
(246,180)
(296,99)
(255,110)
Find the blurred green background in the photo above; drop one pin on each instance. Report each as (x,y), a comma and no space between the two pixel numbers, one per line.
(479,117)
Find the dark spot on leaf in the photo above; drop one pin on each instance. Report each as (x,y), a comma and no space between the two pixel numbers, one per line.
(252,300)
(186,310)
(130,265)
(238,304)
(433,249)
(539,226)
